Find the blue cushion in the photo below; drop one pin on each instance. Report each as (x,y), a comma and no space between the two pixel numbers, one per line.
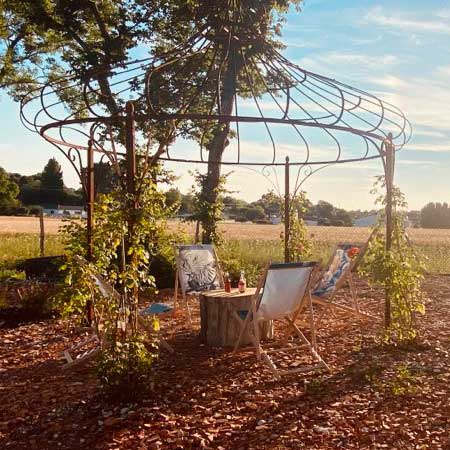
(155,309)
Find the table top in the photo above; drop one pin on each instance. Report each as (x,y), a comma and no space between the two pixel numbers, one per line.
(220,293)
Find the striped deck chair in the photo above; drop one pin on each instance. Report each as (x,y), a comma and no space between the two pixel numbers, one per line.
(198,270)
(283,291)
(337,273)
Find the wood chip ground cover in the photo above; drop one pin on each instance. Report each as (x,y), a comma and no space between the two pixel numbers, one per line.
(374,398)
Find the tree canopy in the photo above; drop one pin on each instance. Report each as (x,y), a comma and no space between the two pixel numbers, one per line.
(8,192)
(435,215)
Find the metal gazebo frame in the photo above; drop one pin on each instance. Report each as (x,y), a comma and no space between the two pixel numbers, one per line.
(236,86)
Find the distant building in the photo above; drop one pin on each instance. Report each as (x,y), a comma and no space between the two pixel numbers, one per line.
(372,219)
(65,211)
(366,221)
(275,220)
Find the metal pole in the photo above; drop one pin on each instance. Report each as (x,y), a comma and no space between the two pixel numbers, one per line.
(389,177)
(131,148)
(90,219)
(287,211)
(130,144)
(90,200)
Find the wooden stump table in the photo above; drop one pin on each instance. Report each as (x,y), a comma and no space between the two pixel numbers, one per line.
(219,327)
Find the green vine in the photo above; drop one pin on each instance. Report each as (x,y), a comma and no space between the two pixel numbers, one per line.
(129,232)
(399,271)
(299,245)
(208,207)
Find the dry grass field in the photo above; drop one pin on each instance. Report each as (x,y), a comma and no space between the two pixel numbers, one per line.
(247,231)
(250,244)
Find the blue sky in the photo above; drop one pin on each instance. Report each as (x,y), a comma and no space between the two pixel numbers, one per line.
(399,50)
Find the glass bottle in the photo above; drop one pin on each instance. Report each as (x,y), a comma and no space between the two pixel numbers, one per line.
(242,285)
(227,282)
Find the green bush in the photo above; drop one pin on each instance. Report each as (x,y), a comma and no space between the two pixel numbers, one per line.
(125,369)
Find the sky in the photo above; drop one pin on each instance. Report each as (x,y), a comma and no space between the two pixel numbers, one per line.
(396,49)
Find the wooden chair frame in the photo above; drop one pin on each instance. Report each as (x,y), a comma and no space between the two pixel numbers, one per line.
(178,280)
(253,325)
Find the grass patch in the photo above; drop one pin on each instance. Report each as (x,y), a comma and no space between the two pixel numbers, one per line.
(247,253)
(15,247)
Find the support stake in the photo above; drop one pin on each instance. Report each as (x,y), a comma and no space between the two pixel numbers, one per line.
(42,232)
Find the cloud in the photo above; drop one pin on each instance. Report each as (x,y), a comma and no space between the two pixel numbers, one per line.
(353,62)
(408,23)
(425,101)
(444,14)
(433,148)
(429,133)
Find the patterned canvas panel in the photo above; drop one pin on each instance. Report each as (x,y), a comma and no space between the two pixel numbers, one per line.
(340,263)
(198,269)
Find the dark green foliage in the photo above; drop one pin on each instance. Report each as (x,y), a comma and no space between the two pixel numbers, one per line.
(435,215)
(8,192)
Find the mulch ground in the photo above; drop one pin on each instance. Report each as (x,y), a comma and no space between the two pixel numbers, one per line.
(374,397)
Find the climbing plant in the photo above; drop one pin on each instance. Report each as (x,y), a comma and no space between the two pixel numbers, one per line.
(206,212)
(399,271)
(125,241)
(299,244)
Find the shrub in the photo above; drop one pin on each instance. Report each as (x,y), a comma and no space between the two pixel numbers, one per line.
(125,368)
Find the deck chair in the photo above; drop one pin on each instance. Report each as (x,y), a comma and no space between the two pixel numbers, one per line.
(337,273)
(283,291)
(198,270)
(91,346)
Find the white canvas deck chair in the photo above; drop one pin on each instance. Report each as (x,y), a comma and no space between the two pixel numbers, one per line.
(337,273)
(282,293)
(198,270)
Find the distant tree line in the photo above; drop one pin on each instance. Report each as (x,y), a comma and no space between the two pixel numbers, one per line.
(27,194)
(22,195)
(435,215)
(264,209)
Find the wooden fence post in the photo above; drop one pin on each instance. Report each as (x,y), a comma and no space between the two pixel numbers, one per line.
(42,232)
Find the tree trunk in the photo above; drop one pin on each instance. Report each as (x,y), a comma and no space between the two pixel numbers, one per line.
(217,147)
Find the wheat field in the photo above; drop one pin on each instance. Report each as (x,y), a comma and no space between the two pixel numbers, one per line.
(256,244)
(232,230)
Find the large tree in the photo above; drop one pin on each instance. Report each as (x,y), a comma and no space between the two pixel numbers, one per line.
(261,21)
(44,39)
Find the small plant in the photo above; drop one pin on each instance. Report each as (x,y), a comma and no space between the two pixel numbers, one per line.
(365,373)
(125,368)
(315,388)
(404,382)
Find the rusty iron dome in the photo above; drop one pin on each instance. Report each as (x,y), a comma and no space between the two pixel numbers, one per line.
(345,123)
(329,122)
